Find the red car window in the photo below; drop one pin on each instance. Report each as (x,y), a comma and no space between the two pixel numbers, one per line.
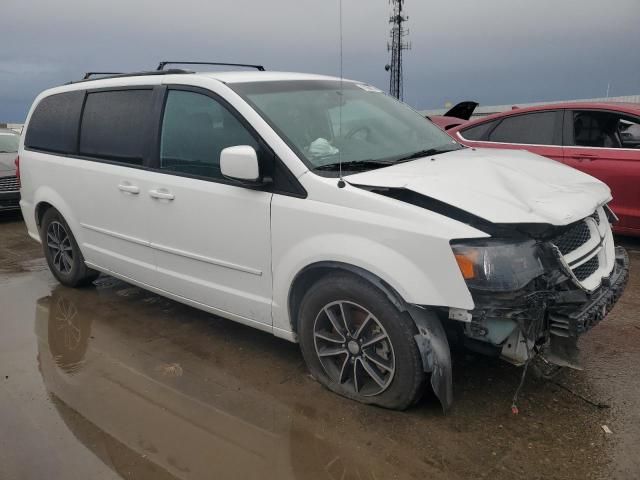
(603,129)
(538,128)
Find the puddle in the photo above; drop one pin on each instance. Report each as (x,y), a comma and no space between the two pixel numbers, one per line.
(112,381)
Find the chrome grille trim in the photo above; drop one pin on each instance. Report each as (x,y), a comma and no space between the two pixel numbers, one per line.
(9,184)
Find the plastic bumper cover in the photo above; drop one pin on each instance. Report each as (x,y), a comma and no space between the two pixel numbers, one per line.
(568,321)
(9,200)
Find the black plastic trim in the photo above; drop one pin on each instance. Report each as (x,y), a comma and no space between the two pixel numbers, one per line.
(145,73)
(504,230)
(88,75)
(161,65)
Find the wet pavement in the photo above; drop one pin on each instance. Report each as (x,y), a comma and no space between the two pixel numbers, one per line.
(115,382)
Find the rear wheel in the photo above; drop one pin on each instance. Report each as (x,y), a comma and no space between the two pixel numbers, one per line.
(62,252)
(358,344)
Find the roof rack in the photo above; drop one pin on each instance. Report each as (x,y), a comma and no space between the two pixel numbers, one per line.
(91,74)
(131,74)
(161,65)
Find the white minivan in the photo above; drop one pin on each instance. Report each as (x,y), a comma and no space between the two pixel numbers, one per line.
(326,212)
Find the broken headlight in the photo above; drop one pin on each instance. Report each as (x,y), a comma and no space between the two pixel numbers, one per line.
(498,265)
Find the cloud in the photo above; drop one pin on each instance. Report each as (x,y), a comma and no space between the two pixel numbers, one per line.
(495,51)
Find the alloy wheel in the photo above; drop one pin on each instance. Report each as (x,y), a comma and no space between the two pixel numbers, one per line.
(59,245)
(354,348)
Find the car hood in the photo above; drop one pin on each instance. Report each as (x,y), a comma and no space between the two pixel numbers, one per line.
(501,186)
(7,167)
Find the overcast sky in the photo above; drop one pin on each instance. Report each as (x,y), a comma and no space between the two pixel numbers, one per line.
(492,51)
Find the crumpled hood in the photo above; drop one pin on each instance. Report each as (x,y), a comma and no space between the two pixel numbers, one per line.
(501,186)
(7,167)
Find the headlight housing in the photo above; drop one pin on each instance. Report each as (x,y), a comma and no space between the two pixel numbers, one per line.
(498,265)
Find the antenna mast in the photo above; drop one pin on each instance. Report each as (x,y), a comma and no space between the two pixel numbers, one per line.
(396,46)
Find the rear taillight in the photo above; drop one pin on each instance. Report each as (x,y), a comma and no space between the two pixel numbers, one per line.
(17,162)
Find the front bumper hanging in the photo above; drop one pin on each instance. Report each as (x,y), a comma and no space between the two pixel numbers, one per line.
(567,321)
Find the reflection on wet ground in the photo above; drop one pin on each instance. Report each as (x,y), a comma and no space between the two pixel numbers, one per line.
(113,381)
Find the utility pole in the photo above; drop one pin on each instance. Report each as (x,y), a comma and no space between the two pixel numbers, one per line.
(396,46)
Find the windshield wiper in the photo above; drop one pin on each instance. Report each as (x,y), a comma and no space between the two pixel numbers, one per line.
(370,164)
(426,153)
(354,165)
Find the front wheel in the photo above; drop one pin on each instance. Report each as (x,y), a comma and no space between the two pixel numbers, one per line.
(358,344)
(62,252)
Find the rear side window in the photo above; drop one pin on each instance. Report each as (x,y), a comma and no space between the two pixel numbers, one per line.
(115,125)
(538,128)
(479,132)
(54,123)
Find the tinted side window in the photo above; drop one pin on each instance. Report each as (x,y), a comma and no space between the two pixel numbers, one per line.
(54,123)
(532,128)
(115,125)
(479,132)
(195,129)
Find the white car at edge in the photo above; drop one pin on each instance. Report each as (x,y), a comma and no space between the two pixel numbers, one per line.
(325,212)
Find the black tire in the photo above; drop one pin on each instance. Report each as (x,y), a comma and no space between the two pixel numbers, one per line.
(70,270)
(406,383)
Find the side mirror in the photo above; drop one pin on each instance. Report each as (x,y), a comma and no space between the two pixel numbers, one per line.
(240,163)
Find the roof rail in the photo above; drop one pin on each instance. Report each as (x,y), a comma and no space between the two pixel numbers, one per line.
(161,65)
(132,74)
(91,74)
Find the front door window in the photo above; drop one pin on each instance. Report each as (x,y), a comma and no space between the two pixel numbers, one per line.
(195,129)
(605,130)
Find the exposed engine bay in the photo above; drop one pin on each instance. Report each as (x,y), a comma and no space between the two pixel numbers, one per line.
(546,317)
(583,278)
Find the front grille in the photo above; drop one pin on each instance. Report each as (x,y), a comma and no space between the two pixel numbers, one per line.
(573,238)
(587,269)
(9,184)
(586,241)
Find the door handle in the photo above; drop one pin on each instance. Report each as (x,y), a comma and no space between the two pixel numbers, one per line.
(128,188)
(161,194)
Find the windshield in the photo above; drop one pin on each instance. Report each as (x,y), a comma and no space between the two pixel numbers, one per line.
(357,125)
(9,142)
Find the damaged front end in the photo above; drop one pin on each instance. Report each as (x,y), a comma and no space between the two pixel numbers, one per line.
(573,278)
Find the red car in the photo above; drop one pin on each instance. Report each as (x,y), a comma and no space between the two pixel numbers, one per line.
(601,139)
